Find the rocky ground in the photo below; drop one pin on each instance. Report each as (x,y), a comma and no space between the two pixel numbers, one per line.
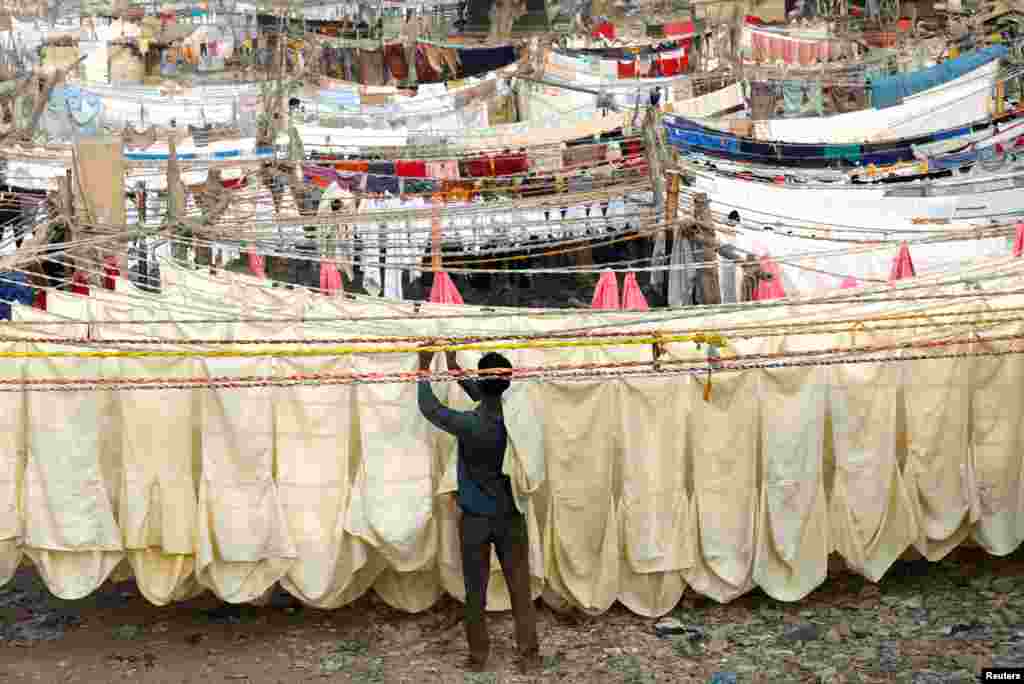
(926,623)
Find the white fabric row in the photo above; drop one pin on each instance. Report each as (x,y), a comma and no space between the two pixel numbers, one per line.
(649,487)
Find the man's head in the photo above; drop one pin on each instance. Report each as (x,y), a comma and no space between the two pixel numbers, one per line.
(490,385)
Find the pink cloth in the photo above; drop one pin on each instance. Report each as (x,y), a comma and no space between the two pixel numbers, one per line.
(606,294)
(902,265)
(771,288)
(849,282)
(445,170)
(443,290)
(1018,242)
(330,279)
(632,297)
(256,263)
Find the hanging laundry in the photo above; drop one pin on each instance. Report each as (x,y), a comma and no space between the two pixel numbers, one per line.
(443,170)
(606,294)
(256,264)
(510,164)
(411,168)
(632,297)
(13,289)
(379,185)
(330,278)
(902,265)
(1018,241)
(478,61)
(80,283)
(604,30)
(394,58)
(849,283)
(443,291)
(792,96)
(770,288)
(381,168)
(354,166)
(110,272)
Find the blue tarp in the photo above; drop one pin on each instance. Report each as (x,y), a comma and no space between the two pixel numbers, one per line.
(13,288)
(889,91)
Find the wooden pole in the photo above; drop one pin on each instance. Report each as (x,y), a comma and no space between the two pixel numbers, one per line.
(435,232)
(707,248)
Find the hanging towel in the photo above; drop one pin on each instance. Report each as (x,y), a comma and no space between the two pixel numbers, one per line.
(443,291)
(443,170)
(606,294)
(256,263)
(632,297)
(330,279)
(411,168)
(110,271)
(902,265)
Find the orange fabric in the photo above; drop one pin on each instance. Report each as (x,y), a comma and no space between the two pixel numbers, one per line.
(353,166)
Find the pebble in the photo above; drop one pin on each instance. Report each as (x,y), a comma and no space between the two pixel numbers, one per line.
(804,632)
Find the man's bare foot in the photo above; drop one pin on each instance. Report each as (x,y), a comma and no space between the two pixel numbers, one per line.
(530,663)
(476,664)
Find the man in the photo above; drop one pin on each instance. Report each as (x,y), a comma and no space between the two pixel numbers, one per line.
(489,514)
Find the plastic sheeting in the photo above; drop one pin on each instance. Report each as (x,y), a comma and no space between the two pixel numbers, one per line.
(892,90)
(635,488)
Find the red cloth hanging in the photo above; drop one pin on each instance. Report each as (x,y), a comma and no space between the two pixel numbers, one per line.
(1018,242)
(479,167)
(39,300)
(849,283)
(411,168)
(443,290)
(669,66)
(232,183)
(627,68)
(330,279)
(771,288)
(510,164)
(79,284)
(110,272)
(256,264)
(632,297)
(606,294)
(902,265)
(679,28)
(605,30)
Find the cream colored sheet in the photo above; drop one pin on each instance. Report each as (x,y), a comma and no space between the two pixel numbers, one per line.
(870,511)
(653,506)
(581,537)
(997,435)
(793,531)
(244,545)
(938,471)
(392,505)
(724,507)
(159,459)
(12,470)
(71,533)
(751,463)
(315,464)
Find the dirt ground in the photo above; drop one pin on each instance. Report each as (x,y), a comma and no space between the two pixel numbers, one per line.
(925,623)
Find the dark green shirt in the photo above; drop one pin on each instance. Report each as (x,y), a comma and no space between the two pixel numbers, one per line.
(483,489)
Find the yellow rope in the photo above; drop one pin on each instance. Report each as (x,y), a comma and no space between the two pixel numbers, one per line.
(699,338)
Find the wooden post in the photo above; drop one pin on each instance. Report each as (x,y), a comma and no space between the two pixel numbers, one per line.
(435,232)
(707,248)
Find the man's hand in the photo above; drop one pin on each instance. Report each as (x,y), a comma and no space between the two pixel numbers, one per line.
(427,355)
